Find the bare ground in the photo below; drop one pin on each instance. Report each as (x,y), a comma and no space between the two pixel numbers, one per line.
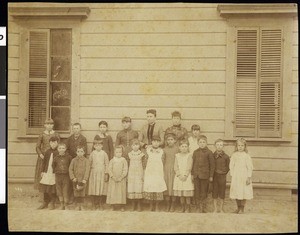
(262,216)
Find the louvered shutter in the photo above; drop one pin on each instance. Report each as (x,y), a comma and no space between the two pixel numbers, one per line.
(246,83)
(38,80)
(270,83)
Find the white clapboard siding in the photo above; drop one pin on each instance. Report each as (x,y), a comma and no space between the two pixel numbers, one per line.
(148,14)
(156,64)
(157,39)
(150,99)
(153,26)
(144,51)
(139,76)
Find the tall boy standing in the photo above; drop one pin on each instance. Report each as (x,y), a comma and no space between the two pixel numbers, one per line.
(202,172)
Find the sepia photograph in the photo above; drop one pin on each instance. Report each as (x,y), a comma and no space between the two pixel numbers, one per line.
(152,117)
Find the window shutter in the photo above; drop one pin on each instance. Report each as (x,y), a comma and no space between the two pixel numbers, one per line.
(270,83)
(246,83)
(38,80)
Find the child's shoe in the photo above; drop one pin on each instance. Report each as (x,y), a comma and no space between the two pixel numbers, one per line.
(122,208)
(168,206)
(62,206)
(237,211)
(172,208)
(43,206)
(151,206)
(156,206)
(182,209)
(132,205)
(242,210)
(188,208)
(139,208)
(51,206)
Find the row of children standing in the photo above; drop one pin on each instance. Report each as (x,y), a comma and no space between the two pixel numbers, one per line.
(184,168)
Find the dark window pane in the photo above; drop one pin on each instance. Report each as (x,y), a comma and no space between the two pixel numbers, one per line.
(61,42)
(61,69)
(61,94)
(61,117)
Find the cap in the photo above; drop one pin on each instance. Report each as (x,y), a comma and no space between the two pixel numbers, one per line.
(49,121)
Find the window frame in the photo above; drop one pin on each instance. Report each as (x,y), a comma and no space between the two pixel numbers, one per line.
(286,24)
(36,24)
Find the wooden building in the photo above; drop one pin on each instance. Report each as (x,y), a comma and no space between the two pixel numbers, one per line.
(231,68)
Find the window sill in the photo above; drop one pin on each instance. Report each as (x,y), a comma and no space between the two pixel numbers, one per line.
(270,140)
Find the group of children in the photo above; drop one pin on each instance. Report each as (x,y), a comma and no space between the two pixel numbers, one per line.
(176,166)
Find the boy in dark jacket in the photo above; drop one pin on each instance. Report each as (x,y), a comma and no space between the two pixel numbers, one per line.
(221,169)
(60,165)
(202,172)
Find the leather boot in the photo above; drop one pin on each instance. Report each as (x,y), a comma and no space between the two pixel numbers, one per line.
(182,208)
(156,206)
(62,206)
(204,208)
(139,207)
(151,206)
(133,205)
(188,208)
(51,205)
(93,203)
(172,208)
(168,206)
(43,206)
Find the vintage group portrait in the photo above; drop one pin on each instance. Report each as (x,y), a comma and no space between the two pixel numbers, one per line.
(152,117)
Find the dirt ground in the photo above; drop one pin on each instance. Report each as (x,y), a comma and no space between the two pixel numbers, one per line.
(261,216)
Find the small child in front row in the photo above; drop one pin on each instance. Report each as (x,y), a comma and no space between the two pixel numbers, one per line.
(202,172)
(135,175)
(117,169)
(221,169)
(61,163)
(241,168)
(79,173)
(183,186)
(47,183)
(98,175)
(154,182)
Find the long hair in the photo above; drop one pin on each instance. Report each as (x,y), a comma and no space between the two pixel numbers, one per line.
(241,140)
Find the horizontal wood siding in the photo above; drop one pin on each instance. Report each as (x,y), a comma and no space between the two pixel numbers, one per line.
(163,56)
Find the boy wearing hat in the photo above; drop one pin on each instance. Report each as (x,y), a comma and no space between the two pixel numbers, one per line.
(125,136)
(42,146)
(202,172)
(152,128)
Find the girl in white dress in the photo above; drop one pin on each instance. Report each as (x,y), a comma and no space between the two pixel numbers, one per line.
(154,182)
(135,174)
(183,186)
(241,168)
